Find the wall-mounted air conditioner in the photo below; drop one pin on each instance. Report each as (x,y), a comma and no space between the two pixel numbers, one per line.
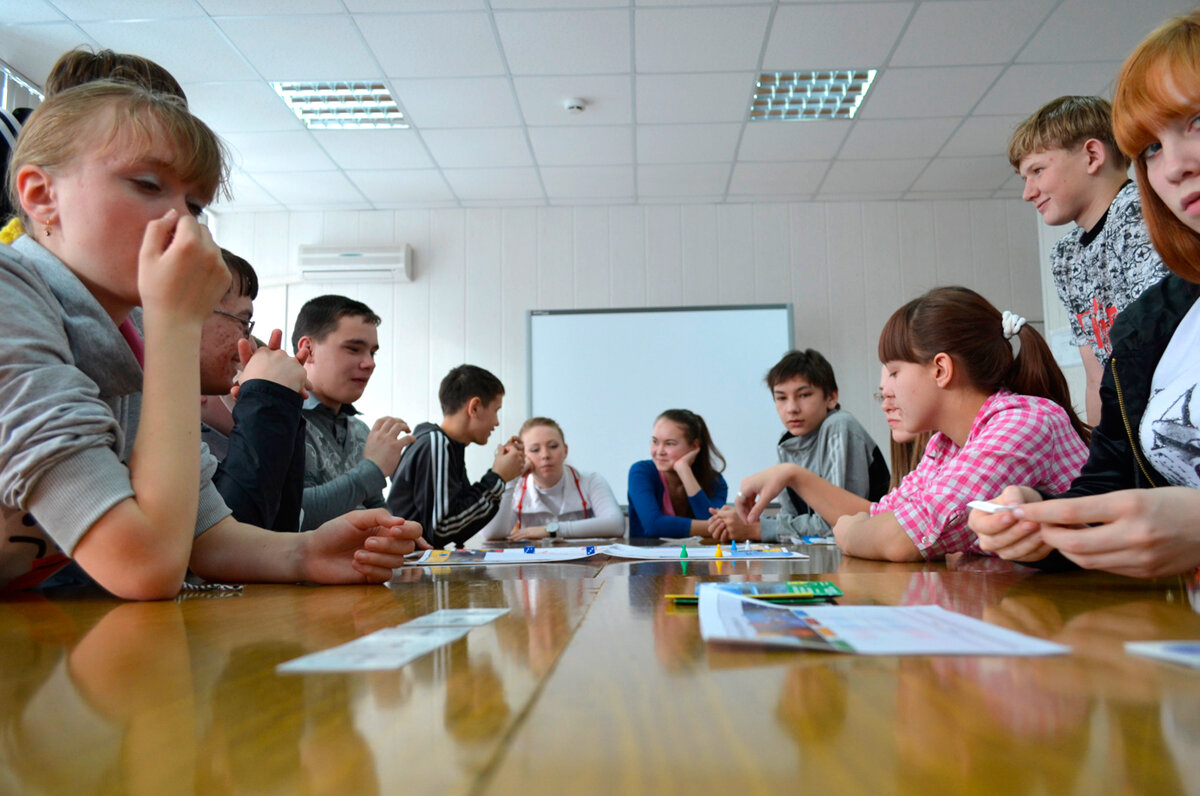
(357,264)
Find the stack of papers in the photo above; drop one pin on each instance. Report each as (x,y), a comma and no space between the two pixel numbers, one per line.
(859,629)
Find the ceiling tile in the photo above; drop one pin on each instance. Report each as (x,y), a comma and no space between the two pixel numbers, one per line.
(897,138)
(33,49)
(558,4)
(1023,88)
(687,143)
(274,152)
(649,3)
(864,176)
(470,184)
(672,99)
(565,42)
(1079,31)
(613,182)
(690,199)
(608,98)
(970,32)
(259,8)
(680,180)
(193,50)
(982,135)
(478,148)
(18,12)
(953,174)
(384,187)
(373,149)
(775,179)
(243,107)
(302,189)
(871,196)
(376,6)
(433,45)
(90,10)
(792,140)
(931,91)
(717,40)
(942,196)
(833,36)
(582,146)
(480,102)
(302,47)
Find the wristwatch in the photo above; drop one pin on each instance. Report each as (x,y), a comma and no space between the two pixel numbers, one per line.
(552,529)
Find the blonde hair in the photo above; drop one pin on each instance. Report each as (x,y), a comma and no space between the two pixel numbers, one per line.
(534,422)
(1065,123)
(57,132)
(1159,83)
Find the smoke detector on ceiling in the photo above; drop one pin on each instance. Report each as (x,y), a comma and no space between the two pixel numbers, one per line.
(574,105)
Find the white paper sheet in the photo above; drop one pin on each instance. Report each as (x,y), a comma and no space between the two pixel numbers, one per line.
(457,617)
(512,555)
(390,648)
(697,552)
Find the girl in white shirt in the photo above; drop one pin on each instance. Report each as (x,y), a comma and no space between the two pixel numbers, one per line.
(553,499)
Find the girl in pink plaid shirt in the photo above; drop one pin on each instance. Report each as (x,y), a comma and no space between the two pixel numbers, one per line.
(1000,417)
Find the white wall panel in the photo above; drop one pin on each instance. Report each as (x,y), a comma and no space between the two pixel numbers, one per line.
(844,266)
(664,258)
(701,265)
(772,247)
(735,248)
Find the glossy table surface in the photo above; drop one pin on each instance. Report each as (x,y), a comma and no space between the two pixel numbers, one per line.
(592,683)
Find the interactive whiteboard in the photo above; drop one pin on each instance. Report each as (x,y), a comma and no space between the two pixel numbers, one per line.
(605,375)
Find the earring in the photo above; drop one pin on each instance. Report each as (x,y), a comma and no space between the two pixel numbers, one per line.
(47,232)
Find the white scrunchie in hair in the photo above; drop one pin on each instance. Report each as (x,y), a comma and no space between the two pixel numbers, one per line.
(1011,323)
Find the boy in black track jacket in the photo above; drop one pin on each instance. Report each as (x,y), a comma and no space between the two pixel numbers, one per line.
(431,484)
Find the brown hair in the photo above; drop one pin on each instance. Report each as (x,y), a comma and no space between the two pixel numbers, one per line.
(809,365)
(960,322)
(709,461)
(1066,123)
(534,422)
(79,66)
(906,456)
(66,122)
(1159,83)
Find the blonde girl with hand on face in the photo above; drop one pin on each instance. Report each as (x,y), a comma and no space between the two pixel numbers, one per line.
(1133,509)
(99,425)
(995,414)
(552,499)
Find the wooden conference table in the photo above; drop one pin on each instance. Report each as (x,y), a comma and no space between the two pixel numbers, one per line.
(590,684)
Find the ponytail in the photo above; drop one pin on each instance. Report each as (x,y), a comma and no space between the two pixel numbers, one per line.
(1034,372)
(709,461)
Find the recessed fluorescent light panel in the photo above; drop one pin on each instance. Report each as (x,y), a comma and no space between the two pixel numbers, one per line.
(342,105)
(15,90)
(809,96)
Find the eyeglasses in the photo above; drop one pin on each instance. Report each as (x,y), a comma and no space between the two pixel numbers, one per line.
(247,326)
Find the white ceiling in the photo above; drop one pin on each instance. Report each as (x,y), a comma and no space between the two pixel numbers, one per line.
(668,85)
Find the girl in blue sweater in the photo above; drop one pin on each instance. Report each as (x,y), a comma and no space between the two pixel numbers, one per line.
(671,492)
